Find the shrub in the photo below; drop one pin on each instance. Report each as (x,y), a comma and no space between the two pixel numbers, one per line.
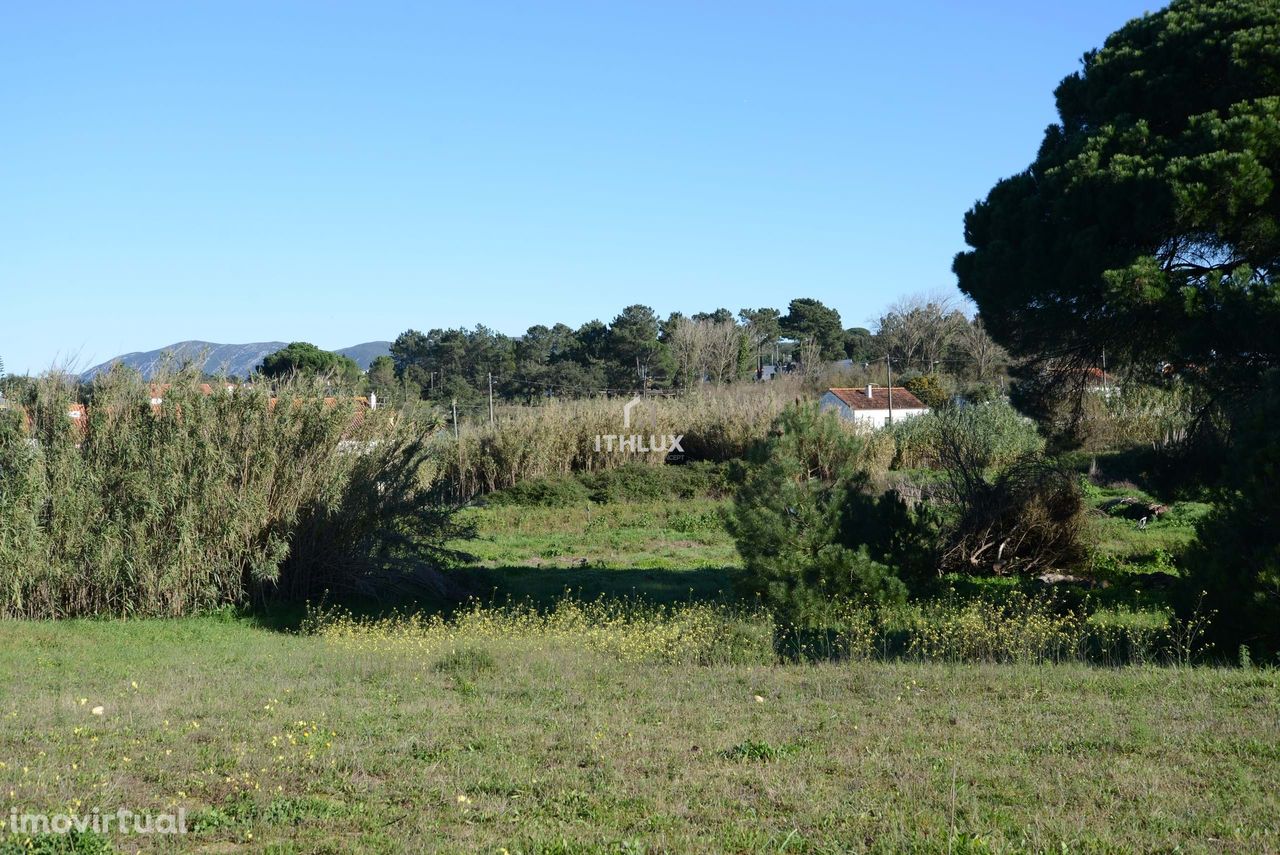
(786,518)
(929,389)
(205,501)
(1008,508)
(902,535)
(996,432)
(1236,559)
(1027,519)
(632,482)
(638,483)
(553,491)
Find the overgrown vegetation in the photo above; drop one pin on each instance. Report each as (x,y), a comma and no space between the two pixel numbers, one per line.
(1237,555)
(786,517)
(1148,229)
(206,500)
(814,522)
(1011,627)
(560,437)
(630,482)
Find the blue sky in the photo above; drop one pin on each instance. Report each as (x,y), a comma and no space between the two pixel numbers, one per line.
(340,172)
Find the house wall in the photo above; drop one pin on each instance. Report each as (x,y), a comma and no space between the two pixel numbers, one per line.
(871,418)
(831,402)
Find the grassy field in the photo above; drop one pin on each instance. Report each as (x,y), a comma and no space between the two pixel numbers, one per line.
(289,743)
(606,738)
(677,534)
(677,549)
(1123,540)
(668,551)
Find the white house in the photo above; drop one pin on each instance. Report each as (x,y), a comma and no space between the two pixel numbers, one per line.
(872,406)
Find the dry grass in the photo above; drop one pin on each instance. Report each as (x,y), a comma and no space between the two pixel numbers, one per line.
(560,437)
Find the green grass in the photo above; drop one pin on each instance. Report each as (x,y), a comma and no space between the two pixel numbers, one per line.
(1120,539)
(677,550)
(679,534)
(667,551)
(285,743)
(280,742)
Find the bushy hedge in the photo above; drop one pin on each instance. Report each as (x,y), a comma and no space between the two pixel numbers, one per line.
(1004,434)
(206,500)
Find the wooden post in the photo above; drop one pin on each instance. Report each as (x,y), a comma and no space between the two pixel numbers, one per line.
(889,368)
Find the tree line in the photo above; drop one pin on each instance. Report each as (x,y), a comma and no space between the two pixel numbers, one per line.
(639,351)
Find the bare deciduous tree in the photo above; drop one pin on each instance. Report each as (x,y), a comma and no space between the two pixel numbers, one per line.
(705,350)
(984,355)
(811,358)
(916,331)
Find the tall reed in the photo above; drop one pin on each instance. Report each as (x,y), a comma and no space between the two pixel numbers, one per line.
(202,501)
(559,437)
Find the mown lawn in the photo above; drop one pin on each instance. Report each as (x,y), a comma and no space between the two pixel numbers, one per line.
(287,743)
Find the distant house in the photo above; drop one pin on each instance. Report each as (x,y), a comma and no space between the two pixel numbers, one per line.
(871,405)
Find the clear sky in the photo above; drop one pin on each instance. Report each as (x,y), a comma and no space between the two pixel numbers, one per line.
(340,172)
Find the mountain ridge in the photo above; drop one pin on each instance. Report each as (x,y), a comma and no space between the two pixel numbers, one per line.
(234,360)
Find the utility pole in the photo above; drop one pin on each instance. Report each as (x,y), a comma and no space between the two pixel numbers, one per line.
(490,399)
(889,370)
(455,419)
(1104,372)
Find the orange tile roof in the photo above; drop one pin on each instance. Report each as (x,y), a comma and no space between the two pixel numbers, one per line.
(857,398)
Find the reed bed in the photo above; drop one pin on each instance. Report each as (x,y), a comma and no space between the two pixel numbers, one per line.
(560,437)
(208,499)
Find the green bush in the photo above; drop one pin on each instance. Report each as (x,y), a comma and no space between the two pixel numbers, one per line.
(1001,435)
(929,389)
(1236,559)
(207,500)
(637,482)
(696,522)
(895,533)
(634,482)
(631,482)
(786,519)
(555,491)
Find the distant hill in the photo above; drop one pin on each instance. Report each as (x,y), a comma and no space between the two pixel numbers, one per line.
(236,360)
(364,354)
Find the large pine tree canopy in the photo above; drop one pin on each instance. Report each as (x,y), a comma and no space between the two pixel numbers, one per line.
(1149,223)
